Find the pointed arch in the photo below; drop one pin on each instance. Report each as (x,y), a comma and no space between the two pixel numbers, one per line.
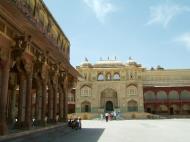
(132,106)
(149,96)
(86,106)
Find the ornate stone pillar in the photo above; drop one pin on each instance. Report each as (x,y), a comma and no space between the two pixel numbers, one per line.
(38,101)
(50,102)
(40,79)
(12,103)
(55,93)
(65,97)
(54,75)
(28,116)
(61,103)
(21,101)
(61,95)
(3,97)
(25,80)
(44,98)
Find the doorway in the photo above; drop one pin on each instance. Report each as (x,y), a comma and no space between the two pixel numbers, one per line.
(171,110)
(109,106)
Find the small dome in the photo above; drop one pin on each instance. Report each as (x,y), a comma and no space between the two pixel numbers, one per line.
(86,63)
(133,62)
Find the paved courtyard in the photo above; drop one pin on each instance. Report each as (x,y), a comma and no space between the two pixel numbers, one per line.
(169,130)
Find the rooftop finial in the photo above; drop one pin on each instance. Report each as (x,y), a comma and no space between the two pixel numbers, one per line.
(130,58)
(86,59)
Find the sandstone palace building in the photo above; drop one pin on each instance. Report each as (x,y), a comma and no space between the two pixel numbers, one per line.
(35,71)
(111,85)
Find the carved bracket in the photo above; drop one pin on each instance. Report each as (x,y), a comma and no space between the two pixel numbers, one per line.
(21,44)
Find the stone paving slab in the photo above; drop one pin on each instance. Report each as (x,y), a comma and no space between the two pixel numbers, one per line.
(164,130)
(21,133)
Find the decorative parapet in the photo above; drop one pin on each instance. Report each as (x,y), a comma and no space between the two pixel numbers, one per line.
(37,12)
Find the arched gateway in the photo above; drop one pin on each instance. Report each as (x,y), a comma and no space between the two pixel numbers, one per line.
(109,100)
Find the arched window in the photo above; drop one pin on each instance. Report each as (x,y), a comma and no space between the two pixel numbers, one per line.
(108,76)
(173,95)
(185,95)
(100,77)
(86,106)
(85,91)
(132,106)
(161,95)
(132,90)
(116,76)
(149,96)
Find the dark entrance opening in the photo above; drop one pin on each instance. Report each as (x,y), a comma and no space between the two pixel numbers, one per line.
(86,108)
(109,106)
(171,111)
(149,110)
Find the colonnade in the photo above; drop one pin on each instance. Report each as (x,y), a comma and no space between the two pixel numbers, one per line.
(33,88)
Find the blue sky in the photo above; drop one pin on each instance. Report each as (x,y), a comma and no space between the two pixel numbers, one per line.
(152,32)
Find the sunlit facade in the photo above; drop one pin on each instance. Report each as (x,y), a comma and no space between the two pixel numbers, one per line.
(111,85)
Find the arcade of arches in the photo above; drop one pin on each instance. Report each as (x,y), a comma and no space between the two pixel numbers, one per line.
(35,71)
(163,100)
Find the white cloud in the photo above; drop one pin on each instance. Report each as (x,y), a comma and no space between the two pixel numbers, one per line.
(163,14)
(101,8)
(184,39)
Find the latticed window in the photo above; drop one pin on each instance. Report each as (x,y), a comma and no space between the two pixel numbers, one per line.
(131,90)
(85,91)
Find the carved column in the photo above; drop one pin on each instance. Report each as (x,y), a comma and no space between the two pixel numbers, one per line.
(37,69)
(61,103)
(55,92)
(38,101)
(28,116)
(3,98)
(44,98)
(61,95)
(50,102)
(21,101)
(65,97)
(21,43)
(55,70)
(12,104)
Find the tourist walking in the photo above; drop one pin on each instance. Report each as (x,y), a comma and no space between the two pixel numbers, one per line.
(106,115)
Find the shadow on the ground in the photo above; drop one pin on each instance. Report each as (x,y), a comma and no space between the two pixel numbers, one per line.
(63,135)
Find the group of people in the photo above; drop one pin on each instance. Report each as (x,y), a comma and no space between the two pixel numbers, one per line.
(110,116)
(75,123)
